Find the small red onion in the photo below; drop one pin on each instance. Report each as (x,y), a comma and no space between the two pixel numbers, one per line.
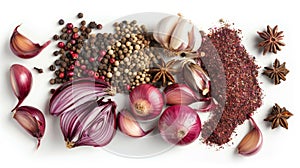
(32,120)
(74,93)
(146,102)
(92,123)
(179,124)
(180,94)
(22,47)
(129,126)
(21,82)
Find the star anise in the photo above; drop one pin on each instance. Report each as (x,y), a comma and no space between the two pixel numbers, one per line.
(272,40)
(277,73)
(163,73)
(279,116)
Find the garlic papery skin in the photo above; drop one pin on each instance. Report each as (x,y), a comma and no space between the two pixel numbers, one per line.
(178,34)
(252,142)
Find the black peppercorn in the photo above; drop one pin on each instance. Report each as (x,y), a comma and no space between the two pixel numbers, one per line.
(52,68)
(56,37)
(83,23)
(61,22)
(80,15)
(55,53)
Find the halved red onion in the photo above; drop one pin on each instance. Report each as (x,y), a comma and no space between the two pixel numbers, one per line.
(146,102)
(93,123)
(129,126)
(74,93)
(21,82)
(179,124)
(32,120)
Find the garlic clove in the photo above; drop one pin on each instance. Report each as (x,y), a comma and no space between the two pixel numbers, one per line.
(180,36)
(23,47)
(21,82)
(164,30)
(32,120)
(179,94)
(252,142)
(197,39)
(129,126)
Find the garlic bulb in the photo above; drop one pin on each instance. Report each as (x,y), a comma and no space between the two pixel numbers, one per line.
(178,34)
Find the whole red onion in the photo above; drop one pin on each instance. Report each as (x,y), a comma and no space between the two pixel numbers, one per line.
(179,124)
(146,102)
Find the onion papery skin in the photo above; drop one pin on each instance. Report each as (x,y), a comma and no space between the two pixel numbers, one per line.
(91,124)
(179,125)
(146,102)
(74,93)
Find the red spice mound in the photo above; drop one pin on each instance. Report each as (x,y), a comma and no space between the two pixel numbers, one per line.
(239,95)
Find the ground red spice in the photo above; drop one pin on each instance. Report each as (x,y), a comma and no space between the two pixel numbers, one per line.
(239,94)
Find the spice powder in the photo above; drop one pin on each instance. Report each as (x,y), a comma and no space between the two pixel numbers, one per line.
(239,94)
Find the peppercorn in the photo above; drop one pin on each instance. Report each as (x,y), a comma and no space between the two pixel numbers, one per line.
(52,68)
(80,15)
(61,22)
(99,26)
(52,81)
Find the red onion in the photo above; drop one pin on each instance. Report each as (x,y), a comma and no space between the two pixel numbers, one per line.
(180,94)
(74,93)
(32,120)
(179,124)
(146,102)
(22,47)
(21,82)
(92,123)
(129,126)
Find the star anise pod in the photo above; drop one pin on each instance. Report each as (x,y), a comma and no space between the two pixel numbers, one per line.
(277,73)
(163,73)
(279,116)
(272,40)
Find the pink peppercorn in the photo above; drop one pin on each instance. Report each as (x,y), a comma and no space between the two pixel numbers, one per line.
(69,26)
(60,45)
(92,59)
(83,67)
(69,31)
(74,55)
(71,67)
(75,36)
(102,53)
(91,73)
(99,58)
(128,87)
(96,75)
(112,60)
(61,75)
(73,41)
(102,77)
(77,63)
(70,73)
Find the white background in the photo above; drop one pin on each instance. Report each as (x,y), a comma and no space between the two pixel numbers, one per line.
(39,22)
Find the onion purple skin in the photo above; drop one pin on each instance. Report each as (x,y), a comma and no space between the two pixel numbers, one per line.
(179,125)
(149,99)
(21,82)
(93,123)
(32,120)
(74,93)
